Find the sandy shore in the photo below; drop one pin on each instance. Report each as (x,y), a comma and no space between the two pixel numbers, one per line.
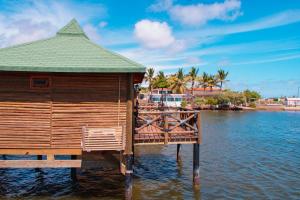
(277,108)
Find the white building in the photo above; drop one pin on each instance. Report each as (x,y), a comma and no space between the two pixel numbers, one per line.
(292,102)
(169,100)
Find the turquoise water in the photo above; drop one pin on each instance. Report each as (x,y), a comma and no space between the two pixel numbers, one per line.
(244,155)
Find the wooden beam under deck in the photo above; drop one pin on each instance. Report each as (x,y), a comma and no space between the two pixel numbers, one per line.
(163,143)
(40,151)
(40,163)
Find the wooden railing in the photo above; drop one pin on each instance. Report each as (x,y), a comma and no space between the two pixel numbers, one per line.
(168,127)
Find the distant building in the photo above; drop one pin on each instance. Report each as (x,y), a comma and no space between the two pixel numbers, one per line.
(204,92)
(162,91)
(164,95)
(292,102)
(272,101)
(169,100)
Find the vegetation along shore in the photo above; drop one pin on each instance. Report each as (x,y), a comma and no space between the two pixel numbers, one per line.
(200,91)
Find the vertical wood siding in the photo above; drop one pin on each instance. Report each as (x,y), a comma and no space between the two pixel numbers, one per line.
(53,118)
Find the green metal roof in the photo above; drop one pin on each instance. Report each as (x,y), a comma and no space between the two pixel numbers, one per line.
(69,51)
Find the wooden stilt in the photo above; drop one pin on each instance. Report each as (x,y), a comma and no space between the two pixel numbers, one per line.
(128,157)
(128,176)
(196,165)
(73,170)
(38,157)
(178,151)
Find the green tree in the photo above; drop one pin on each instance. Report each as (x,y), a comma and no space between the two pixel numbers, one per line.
(212,82)
(193,76)
(223,99)
(251,96)
(150,79)
(204,79)
(183,104)
(160,81)
(221,77)
(178,82)
(199,101)
(211,101)
(236,98)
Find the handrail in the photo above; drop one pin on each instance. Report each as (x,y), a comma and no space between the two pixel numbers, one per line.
(169,124)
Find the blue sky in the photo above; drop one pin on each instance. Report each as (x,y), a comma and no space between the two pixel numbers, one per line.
(258,42)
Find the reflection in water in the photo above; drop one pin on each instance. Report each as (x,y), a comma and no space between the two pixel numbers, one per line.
(244,155)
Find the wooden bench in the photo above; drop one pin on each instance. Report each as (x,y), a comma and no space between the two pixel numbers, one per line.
(103,139)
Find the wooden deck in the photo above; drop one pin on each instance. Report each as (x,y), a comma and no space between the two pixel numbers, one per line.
(167,127)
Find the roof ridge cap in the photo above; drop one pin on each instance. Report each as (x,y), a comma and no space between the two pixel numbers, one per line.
(72,28)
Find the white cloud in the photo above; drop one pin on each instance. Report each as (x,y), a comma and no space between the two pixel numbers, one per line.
(193,60)
(199,14)
(153,34)
(102,24)
(35,20)
(280,19)
(268,60)
(177,46)
(161,5)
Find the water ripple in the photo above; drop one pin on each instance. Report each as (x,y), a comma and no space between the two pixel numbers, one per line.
(244,155)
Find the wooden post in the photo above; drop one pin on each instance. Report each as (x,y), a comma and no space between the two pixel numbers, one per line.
(196,151)
(129,116)
(166,128)
(38,157)
(178,151)
(128,176)
(73,170)
(129,140)
(196,165)
(199,127)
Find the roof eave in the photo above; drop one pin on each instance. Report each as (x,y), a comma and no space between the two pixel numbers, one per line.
(72,70)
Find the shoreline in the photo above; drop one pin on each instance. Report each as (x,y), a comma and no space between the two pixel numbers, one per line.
(259,108)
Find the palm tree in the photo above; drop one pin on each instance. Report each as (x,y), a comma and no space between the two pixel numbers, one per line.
(160,81)
(178,82)
(221,76)
(204,79)
(192,76)
(212,82)
(150,79)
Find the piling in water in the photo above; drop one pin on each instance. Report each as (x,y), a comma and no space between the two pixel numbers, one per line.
(196,165)
(73,170)
(178,151)
(128,176)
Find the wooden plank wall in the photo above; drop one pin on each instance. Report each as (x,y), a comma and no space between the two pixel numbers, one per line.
(53,118)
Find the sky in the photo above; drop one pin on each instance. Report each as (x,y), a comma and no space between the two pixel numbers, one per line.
(257,42)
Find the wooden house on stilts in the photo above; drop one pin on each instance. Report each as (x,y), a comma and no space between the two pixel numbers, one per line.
(66,95)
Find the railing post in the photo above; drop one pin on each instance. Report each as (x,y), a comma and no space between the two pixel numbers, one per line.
(166,128)
(199,127)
